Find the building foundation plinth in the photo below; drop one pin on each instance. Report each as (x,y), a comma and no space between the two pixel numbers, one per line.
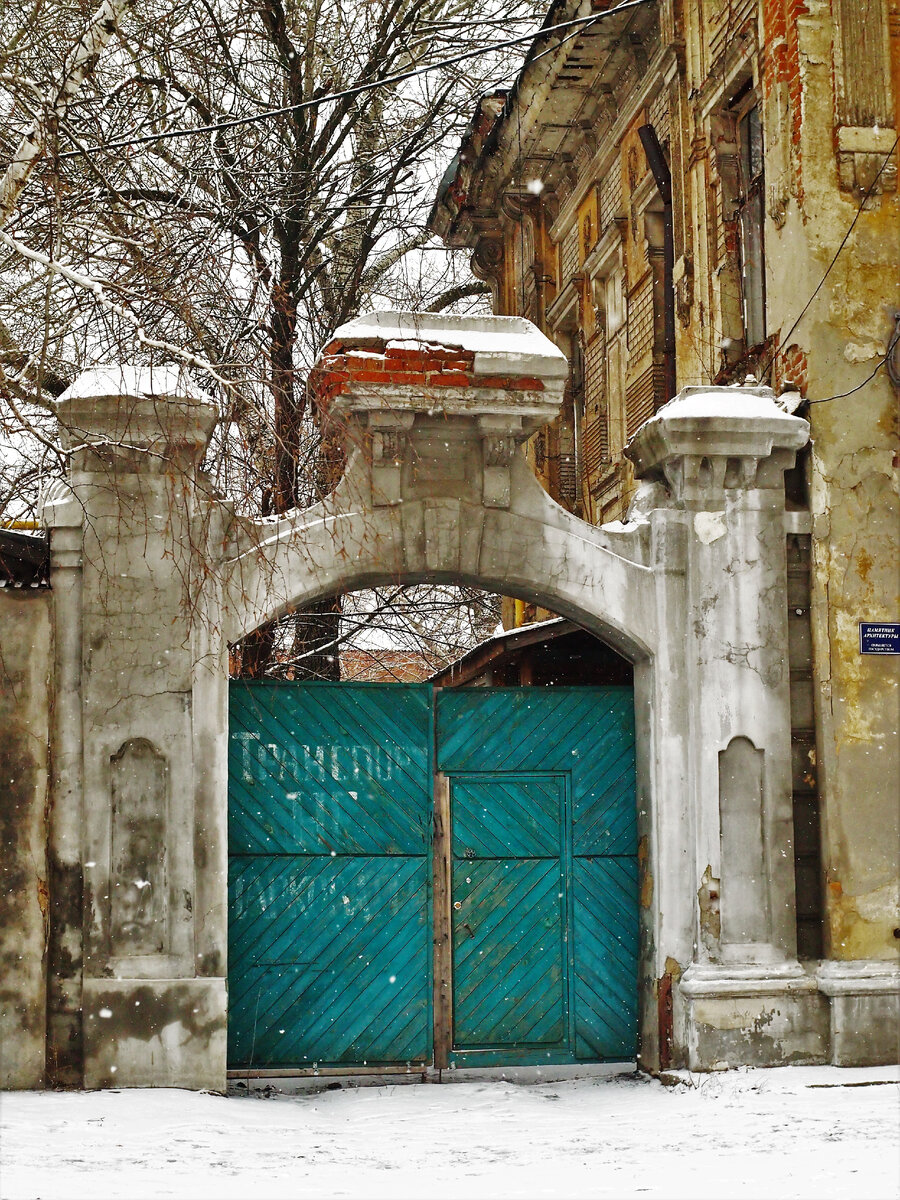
(760,1015)
(864,1004)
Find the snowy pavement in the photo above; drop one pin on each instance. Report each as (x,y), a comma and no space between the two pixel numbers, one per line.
(792,1132)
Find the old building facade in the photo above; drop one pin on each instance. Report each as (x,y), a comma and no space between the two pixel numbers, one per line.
(679,196)
(684,193)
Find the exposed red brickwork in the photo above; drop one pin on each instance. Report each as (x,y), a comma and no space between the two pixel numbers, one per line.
(404,366)
(792,369)
(781,64)
(386,666)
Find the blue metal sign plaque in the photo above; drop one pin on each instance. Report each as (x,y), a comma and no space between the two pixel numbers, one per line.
(881,637)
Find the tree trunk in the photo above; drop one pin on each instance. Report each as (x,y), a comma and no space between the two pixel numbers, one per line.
(319,625)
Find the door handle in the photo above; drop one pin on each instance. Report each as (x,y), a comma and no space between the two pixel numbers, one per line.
(468,928)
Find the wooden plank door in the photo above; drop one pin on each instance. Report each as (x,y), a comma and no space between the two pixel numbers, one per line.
(542,871)
(329,875)
(509,914)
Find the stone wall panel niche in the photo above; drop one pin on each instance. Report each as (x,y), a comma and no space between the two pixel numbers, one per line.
(745,918)
(139,888)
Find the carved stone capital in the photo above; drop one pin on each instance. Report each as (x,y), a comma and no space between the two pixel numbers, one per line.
(138,420)
(498,445)
(710,441)
(389,447)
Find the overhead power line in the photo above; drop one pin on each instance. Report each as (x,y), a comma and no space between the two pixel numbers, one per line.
(784,341)
(884,361)
(359,89)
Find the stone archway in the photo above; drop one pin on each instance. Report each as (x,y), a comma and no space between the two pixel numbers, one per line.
(691,589)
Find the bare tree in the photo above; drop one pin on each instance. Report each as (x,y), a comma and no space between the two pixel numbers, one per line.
(225,182)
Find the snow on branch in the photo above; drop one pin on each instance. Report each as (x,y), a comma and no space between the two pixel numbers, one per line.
(96,288)
(34,141)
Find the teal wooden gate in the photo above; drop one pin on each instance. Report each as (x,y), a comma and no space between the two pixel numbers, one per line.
(329,874)
(336,931)
(544,873)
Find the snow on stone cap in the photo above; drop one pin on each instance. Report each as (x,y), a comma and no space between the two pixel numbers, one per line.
(501,345)
(738,401)
(167,381)
(727,420)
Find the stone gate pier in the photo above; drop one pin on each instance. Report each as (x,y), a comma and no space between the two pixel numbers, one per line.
(153,575)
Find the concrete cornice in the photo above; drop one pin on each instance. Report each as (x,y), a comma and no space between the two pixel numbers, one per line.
(508,145)
(606,153)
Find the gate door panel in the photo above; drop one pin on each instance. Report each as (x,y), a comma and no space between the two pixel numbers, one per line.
(554,913)
(329,874)
(509,912)
(333,931)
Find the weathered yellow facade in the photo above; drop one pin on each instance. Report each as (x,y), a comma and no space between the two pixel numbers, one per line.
(779,257)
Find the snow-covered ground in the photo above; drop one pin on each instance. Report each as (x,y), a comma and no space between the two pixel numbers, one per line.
(794,1132)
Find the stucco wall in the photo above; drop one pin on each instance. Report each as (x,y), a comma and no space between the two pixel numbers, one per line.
(851,250)
(25,646)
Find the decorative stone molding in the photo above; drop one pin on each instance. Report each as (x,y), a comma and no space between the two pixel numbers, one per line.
(562,314)
(134,419)
(726,154)
(132,818)
(683,283)
(864,1000)
(711,439)
(139,803)
(487,259)
(438,393)
(720,453)
(692,588)
(389,433)
(859,978)
(750,979)
(779,1002)
(498,444)
(861,155)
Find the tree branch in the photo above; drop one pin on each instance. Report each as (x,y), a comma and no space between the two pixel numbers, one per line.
(34,141)
(459,292)
(96,288)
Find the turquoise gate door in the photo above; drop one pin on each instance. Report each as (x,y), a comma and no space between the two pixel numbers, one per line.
(387,846)
(329,874)
(543,876)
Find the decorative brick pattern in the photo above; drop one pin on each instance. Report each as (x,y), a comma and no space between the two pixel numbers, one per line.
(728,19)
(640,320)
(595,373)
(610,195)
(569,256)
(659,115)
(792,369)
(596,445)
(642,397)
(428,366)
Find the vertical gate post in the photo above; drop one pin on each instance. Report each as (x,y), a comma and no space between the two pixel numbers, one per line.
(63,517)
(129,785)
(722,453)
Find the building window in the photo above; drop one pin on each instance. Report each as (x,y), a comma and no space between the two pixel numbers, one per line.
(750,218)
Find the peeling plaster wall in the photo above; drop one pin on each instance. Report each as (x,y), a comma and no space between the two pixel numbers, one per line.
(25,646)
(853,489)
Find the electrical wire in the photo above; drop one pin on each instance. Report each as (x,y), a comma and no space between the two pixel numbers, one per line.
(359,89)
(784,341)
(882,362)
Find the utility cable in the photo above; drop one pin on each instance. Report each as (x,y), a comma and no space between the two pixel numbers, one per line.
(359,89)
(883,361)
(785,339)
